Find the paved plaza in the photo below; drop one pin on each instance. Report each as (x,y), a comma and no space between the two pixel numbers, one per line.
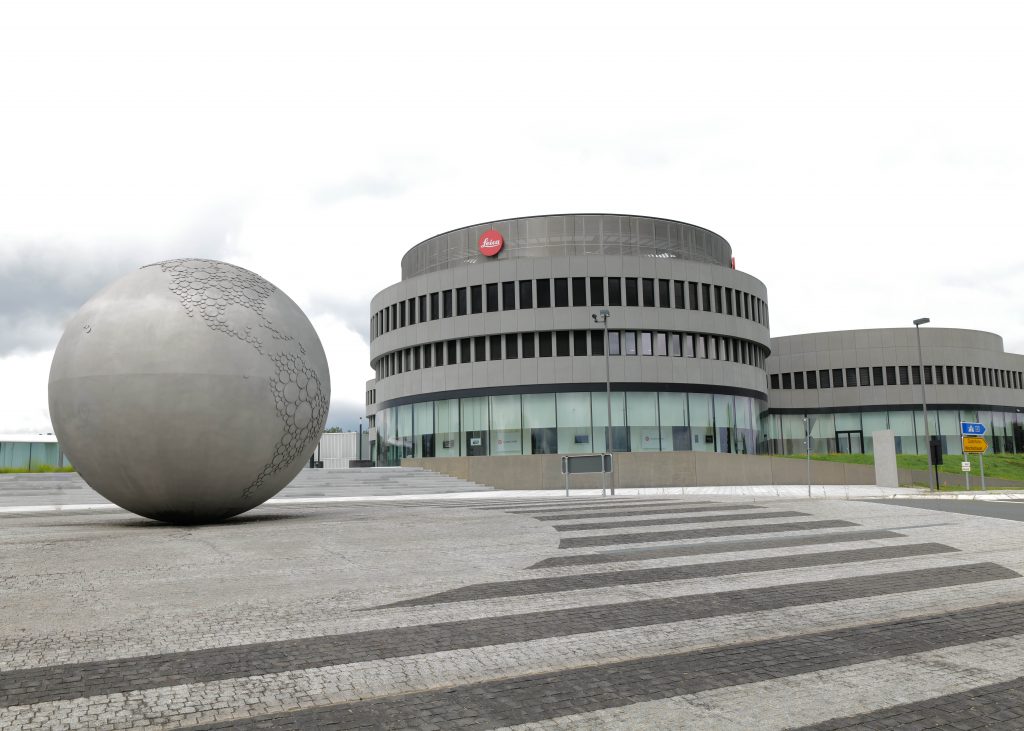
(426,603)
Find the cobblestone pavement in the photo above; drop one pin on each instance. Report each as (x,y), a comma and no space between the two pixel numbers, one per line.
(537,612)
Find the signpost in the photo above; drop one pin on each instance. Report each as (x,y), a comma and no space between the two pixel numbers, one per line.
(574,464)
(974,445)
(966,467)
(974,442)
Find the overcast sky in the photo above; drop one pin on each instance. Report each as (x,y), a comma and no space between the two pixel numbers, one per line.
(864,159)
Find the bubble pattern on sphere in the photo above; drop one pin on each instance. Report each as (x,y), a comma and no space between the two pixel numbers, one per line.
(208,289)
(302,405)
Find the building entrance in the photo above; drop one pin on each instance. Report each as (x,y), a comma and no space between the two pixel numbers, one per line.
(850,442)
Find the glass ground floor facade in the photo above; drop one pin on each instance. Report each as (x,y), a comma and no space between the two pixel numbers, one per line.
(664,421)
(850,432)
(567,423)
(28,455)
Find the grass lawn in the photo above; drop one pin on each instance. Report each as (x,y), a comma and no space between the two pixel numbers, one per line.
(1001,466)
(37,468)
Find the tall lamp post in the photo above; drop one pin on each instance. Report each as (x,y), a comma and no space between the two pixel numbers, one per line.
(924,402)
(602,316)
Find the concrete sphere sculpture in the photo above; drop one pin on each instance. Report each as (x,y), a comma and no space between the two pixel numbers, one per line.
(189,391)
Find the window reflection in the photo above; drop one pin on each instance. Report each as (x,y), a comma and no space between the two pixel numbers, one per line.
(539,432)
(576,422)
(629,342)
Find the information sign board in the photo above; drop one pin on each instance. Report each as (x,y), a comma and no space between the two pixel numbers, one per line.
(974,445)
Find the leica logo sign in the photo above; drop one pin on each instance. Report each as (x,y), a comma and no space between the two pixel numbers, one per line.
(490,242)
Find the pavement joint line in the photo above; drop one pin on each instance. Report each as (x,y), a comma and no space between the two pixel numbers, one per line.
(1017,495)
(670,502)
(413,497)
(57,508)
(625,555)
(680,520)
(631,511)
(271,501)
(633,577)
(616,539)
(554,495)
(925,525)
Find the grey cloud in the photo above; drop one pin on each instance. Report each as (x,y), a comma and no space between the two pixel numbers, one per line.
(44,281)
(354,313)
(28,334)
(345,415)
(42,284)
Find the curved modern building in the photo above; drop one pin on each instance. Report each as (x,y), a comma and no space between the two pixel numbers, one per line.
(857,382)
(489,344)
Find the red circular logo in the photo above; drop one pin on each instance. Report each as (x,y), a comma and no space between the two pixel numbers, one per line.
(490,242)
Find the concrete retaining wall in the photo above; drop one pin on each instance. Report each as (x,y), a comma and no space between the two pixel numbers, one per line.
(673,469)
(665,469)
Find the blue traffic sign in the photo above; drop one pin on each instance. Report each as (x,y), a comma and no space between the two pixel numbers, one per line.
(972,428)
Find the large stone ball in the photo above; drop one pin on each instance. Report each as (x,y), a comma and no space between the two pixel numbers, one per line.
(189,391)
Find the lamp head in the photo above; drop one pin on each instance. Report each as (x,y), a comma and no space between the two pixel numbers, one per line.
(921,321)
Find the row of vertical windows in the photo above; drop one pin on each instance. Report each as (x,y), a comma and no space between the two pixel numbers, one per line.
(371,396)
(563,343)
(898,376)
(527,294)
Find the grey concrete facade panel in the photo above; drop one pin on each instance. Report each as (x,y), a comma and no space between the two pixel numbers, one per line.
(585,370)
(571,369)
(571,235)
(625,317)
(893,348)
(482,272)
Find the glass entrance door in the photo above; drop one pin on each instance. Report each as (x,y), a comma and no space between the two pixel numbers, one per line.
(850,442)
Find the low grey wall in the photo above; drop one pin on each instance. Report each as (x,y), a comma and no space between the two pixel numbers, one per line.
(663,469)
(673,469)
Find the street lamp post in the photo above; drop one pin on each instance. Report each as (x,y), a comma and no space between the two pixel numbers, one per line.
(924,403)
(604,315)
